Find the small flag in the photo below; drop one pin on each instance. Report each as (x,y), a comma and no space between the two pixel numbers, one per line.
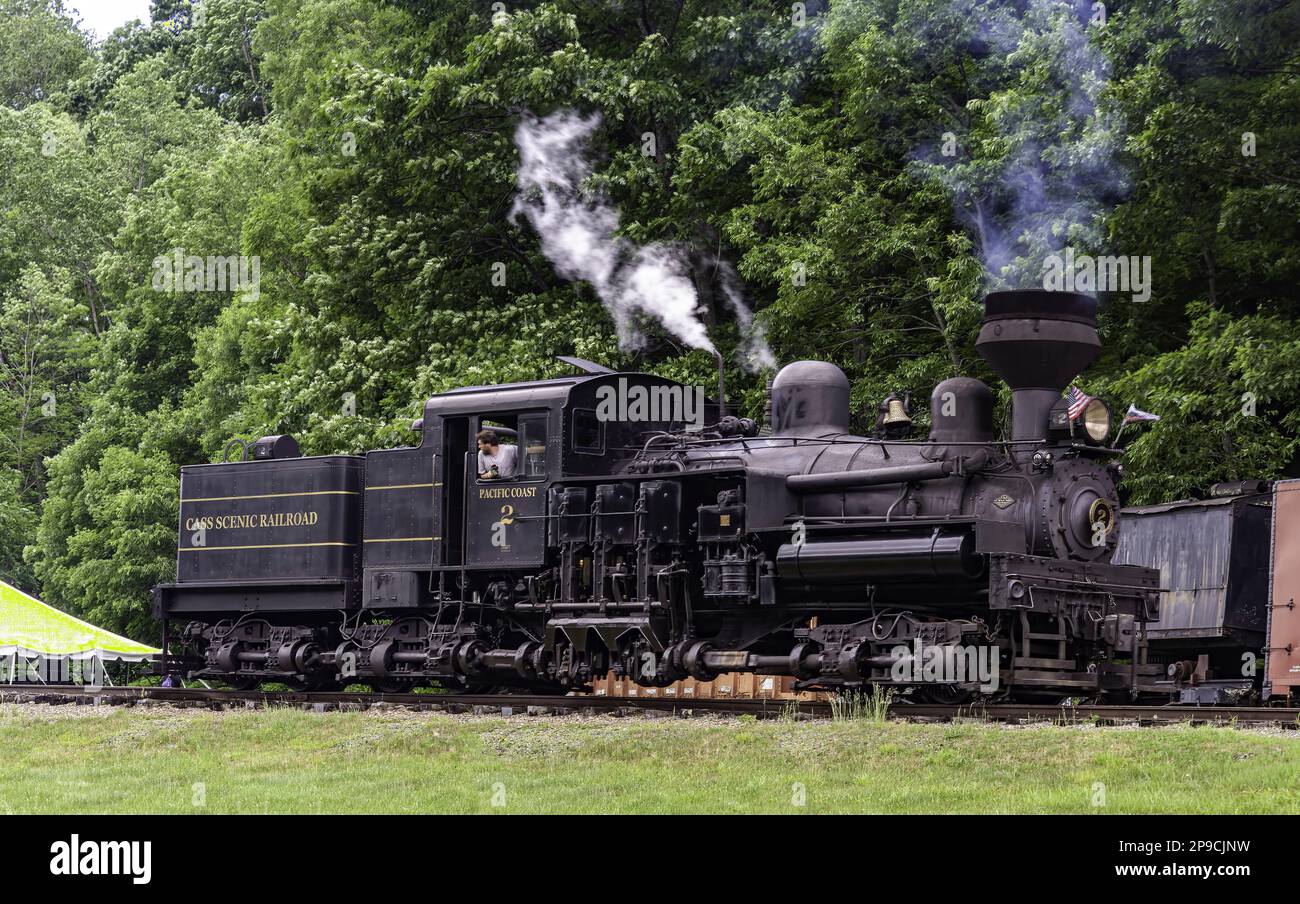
(1078,400)
(1137,416)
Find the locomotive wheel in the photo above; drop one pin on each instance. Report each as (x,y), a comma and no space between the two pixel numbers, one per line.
(944,694)
(247,683)
(392,687)
(461,686)
(311,683)
(479,688)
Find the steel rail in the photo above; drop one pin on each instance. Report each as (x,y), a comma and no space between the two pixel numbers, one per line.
(769,707)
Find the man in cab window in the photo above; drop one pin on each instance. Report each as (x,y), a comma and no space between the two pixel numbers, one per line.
(496,460)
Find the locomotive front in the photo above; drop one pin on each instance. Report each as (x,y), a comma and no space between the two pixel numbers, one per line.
(1049,490)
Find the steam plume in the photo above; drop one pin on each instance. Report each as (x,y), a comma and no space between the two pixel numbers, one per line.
(579,236)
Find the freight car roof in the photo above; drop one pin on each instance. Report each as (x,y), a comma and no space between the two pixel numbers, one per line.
(1180,504)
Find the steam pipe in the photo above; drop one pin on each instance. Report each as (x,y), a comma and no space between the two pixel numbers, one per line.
(931,470)
(722,385)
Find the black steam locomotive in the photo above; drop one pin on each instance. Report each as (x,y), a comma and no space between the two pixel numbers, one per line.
(629,540)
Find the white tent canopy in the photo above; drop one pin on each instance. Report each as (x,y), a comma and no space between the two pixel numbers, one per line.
(31,630)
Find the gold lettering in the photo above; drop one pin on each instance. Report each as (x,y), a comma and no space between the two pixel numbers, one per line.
(258,521)
(507,492)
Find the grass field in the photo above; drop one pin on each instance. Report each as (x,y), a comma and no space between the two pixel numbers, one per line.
(82,759)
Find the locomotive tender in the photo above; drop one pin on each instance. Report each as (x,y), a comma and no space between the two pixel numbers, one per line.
(660,552)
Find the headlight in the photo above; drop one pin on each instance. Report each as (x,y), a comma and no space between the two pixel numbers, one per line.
(1096,421)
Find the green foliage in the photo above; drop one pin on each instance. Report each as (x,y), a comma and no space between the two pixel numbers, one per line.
(220,66)
(41,51)
(1229,400)
(16,520)
(108,533)
(362,151)
(44,347)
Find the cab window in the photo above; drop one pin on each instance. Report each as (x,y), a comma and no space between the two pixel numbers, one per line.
(588,432)
(532,446)
(521,448)
(501,462)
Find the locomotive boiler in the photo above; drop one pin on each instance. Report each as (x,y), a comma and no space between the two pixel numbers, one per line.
(630,540)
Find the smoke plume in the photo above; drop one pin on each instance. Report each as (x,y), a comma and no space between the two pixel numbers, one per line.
(1060,174)
(578,235)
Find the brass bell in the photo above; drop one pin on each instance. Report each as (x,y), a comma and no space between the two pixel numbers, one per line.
(896,414)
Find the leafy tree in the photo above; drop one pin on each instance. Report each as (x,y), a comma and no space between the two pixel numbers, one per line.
(44,344)
(1229,402)
(363,152)
(41,51)
(60,206)
(220,65)
(108,532)
(16,521)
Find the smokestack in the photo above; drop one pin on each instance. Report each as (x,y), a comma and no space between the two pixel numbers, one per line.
(1037,341)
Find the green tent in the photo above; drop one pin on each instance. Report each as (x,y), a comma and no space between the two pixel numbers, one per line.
(29,630)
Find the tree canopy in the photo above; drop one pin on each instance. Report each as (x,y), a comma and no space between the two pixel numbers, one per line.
(868,168)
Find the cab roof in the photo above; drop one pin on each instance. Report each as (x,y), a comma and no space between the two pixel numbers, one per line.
(553,392)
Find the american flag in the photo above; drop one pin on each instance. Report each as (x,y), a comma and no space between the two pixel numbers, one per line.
(1078,400)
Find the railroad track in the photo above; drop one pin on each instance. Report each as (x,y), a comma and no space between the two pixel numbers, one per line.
(514,704)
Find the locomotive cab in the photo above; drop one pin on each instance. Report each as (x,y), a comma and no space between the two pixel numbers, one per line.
(560,429)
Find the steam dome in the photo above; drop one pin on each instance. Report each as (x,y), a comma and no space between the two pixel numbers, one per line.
(811,398)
